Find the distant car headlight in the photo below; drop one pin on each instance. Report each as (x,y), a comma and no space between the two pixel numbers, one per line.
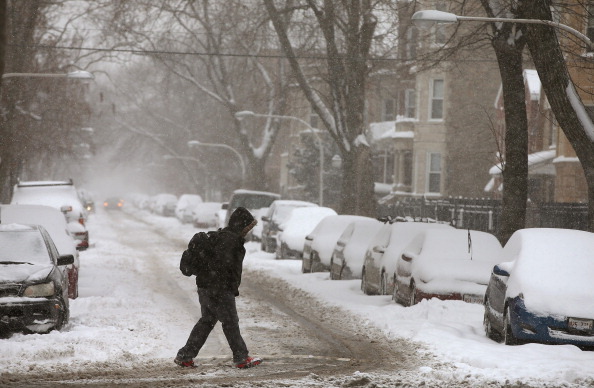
(39,290)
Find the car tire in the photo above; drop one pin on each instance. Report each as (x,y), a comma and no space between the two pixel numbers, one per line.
(491,334)
(332,277)
(383,284)
(412,298)
(508,335)
(364,286)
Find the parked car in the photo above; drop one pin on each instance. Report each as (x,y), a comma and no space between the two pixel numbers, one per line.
(53,221)
(113,203)
(204,215)
(278,212)
(61,195)
(164,204)
(86,198)
(542,290)
(448,264)
(249,199)
(185,206)
(383,253)
(33,281)
(349,252)
(292,234)
(319,244)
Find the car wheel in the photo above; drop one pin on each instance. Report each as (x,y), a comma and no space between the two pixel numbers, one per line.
(412,298)
(364,287)
(383,284)
(332,277)
(508,335)
(491,334)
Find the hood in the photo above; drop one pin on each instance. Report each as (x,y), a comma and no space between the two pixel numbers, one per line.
(241,221)
(24,273)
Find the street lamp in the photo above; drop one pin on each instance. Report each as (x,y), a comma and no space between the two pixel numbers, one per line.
(78,74)
(246,113)
(427,17)
(196,143)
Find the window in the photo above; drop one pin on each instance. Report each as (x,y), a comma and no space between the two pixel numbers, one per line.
(437,99)
(389,110)
(410,103)
(434,173)
(314,120)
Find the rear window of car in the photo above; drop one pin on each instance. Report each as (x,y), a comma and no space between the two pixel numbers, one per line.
(251,201)
(23,246)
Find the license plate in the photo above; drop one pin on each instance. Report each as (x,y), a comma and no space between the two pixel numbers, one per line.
(580,324)
(472,299)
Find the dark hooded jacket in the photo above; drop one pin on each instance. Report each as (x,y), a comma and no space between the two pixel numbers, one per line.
(229,253)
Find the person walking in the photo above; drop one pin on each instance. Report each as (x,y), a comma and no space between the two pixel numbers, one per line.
(217,291)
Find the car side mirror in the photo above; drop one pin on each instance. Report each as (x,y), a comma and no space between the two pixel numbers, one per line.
(66,209)
(266,219)
(225,206)
(379,249)
(407,256)
(65,260)
(309,238)
(500,272)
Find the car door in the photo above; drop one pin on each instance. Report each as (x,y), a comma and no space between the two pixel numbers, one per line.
(404,266)
(495,294)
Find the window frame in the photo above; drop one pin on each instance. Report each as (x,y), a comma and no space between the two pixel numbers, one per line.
(410,103)
(431,173)
(433,99)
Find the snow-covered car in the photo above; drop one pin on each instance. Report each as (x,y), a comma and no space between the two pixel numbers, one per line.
(185,206)
(302,222)
(383,253)
(448,264)
(256,233)
(249,199)
(164,204)
(61,195)
(54,223)
(319,244)
(113,203)
(33,280)
(542,290)
(349,252)
(204,214)
(278,212)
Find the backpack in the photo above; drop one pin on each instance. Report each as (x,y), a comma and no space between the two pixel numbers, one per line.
(199,257)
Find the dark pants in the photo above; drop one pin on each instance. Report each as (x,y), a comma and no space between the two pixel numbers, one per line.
(216,305)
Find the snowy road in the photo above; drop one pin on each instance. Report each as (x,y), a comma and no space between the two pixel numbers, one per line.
(135,310)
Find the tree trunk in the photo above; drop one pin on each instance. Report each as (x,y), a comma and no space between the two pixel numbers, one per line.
(552,70)
(357,183)
(515,171)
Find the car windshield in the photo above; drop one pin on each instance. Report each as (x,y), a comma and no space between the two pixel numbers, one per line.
(23,246)
(252,201)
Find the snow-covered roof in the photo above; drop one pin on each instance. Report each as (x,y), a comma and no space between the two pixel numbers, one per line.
(532,83)
(535,160)
(378,129)
(394,134)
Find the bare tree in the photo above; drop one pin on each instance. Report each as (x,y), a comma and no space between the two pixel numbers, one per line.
(508,40)
(229,62)
(347,29)
(565,103)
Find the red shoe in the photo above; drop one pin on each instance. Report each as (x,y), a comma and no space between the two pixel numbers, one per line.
(184,363)
(248,363)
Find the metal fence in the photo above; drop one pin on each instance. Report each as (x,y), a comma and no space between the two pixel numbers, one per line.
(485,214)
